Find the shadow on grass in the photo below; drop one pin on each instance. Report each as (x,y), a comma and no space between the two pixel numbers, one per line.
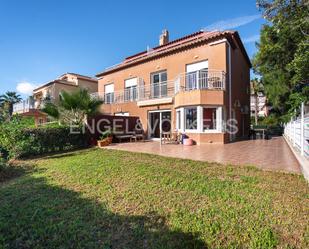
(13,170)
(35,214)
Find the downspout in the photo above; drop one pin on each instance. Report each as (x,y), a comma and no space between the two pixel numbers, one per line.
(230,83)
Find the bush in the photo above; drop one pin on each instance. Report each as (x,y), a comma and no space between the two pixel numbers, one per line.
(18,140)
(2,163)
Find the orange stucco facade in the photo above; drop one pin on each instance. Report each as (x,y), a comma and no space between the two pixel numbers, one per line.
(221,55)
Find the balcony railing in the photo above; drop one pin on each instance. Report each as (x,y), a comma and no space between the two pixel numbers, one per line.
(198,80)
(24,106)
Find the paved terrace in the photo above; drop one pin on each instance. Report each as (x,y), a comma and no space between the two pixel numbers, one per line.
(271,154)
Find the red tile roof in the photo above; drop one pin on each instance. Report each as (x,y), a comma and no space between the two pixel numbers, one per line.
(181,43)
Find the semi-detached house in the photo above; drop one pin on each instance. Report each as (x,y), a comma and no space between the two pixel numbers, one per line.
(195,85)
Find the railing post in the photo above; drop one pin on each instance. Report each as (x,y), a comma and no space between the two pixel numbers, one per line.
(294,133)
(302,135)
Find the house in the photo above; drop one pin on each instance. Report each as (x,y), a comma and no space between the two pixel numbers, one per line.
(259,103)
(195,85)
(50,91)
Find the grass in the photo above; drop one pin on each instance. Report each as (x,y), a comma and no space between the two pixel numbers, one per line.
(112,199)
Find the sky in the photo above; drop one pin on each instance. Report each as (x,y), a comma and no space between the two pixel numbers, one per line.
(42,39)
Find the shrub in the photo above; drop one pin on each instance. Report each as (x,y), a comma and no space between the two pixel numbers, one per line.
(18,140)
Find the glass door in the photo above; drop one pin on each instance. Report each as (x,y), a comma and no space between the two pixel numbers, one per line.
(155,119)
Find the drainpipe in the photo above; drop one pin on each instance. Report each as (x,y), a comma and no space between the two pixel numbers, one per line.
(230,75)
(230,83)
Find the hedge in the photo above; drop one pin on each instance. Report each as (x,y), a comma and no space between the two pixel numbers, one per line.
(35,141)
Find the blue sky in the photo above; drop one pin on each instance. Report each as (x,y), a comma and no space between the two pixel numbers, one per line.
(40,40)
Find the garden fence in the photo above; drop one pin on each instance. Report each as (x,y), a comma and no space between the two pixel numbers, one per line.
(297,132)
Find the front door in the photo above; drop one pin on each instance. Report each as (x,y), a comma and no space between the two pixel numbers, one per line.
(155,119)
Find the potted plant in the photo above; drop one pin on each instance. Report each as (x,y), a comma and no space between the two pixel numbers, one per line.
(105,139)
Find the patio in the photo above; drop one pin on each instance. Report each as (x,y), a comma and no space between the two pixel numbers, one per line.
(273,154)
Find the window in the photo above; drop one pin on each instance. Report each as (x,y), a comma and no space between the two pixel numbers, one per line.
(159,84)
(109,93)
(191,118)
(196,75)
(130,93)
(209,118)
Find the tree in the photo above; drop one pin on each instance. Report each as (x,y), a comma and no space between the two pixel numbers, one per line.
(7,101)
(73,108)
(282,59)
(256,89)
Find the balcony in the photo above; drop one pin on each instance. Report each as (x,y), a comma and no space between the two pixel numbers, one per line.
(24,106)
(200,80)
(163,92)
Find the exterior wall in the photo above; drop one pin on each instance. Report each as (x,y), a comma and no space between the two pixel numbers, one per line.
(200,97)
(241,92)
(91,86)
(175,64)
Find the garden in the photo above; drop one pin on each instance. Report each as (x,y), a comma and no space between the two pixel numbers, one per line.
(101,198)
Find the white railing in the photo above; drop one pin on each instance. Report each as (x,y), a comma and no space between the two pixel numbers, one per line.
(297,132)
(156,91)
(198,80)
(24,106)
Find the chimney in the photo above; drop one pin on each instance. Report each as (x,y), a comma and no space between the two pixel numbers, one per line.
(164,37)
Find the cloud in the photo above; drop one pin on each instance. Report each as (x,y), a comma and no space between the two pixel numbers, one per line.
(25,88)
(250,39)
(232,23)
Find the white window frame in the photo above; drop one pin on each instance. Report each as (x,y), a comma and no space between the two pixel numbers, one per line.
(219,120)
(182,125)
(122,114)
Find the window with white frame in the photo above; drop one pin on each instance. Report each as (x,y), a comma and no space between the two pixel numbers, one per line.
(209,118)
(178,120)
(191,118)
(109,93)
(201,119)
(130,93)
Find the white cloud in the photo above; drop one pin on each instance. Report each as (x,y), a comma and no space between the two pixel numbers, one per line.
(250,39)
(25,88)
(232,23)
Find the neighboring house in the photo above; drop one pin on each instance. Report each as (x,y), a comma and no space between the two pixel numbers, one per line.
(50,91)
(259,102)
(193,85)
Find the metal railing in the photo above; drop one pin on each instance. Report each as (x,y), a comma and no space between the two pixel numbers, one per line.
(24,106)
(198,80)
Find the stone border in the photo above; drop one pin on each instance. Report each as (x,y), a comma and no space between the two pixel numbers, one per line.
(303,162)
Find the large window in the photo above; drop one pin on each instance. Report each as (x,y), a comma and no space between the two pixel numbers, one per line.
(159,84)
(191,118)
(209,118)
(109,93)
(130,92)
(200,119)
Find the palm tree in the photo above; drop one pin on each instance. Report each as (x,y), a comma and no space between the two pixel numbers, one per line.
(256,88)
(8,99)
(73,108)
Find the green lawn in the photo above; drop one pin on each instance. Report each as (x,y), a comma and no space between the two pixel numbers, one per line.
(112,199)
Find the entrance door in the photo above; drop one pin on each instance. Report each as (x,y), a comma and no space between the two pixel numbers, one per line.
(155,119)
